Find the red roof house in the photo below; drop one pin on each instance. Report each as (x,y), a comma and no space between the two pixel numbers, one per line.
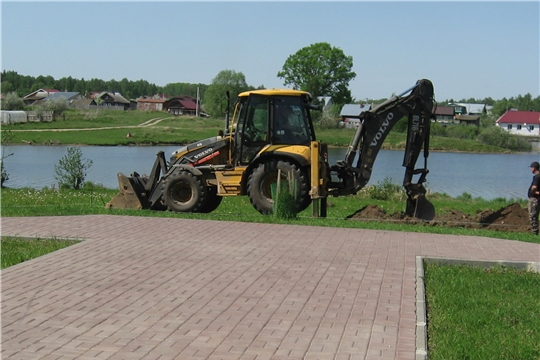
(182,105)
(516,122)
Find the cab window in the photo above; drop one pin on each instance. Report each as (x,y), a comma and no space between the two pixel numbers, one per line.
(290,121)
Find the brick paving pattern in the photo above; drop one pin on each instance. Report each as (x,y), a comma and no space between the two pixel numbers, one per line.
(152,288)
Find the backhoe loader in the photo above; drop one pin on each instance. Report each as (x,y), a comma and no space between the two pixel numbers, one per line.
(271,135)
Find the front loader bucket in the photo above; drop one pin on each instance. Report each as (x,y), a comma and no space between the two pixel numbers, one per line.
(130,196)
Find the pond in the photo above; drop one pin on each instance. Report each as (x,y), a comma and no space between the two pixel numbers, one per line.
(482,175)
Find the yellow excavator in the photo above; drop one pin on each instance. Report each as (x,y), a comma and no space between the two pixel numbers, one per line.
(270,136)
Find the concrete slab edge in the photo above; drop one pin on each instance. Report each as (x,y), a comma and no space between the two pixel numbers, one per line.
(421,311)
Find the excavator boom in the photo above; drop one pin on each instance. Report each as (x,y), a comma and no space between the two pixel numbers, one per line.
(355,170)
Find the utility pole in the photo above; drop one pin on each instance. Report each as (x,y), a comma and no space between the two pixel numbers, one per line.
(197,106)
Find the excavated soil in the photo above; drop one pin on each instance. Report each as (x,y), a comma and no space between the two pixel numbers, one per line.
(510,218)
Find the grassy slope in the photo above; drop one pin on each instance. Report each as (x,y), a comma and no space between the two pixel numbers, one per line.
(182,130)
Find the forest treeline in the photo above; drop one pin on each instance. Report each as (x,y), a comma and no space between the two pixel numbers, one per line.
(22,85)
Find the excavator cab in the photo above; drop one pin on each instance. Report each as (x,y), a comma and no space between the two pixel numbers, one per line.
(270,117)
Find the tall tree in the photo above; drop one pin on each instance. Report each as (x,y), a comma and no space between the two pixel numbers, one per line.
(225,80)
(322,70)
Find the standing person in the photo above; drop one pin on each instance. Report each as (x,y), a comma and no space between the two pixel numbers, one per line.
(534,197)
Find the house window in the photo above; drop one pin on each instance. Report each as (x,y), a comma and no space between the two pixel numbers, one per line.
(509,126)
(519,127)
(531,127)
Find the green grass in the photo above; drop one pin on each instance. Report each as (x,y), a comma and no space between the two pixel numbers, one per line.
(171,130)
(183,130)
(92,199)
(16,250)
(482,314)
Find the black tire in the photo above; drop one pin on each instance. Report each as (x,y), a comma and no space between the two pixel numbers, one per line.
(265,174)
(184,192)
(213,200)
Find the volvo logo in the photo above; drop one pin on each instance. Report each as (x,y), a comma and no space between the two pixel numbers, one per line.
(382,129)
(203,153)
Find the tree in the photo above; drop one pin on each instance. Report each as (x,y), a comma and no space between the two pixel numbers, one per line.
(71,169)
(57,106)
(320,69)
(225,80)
(12,102)
(7,139)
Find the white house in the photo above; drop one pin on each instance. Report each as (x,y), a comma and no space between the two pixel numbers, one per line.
(350,115)
(516,122)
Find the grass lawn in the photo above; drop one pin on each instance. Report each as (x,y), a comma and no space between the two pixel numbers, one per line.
(476,313)
(16,250)
(157,127)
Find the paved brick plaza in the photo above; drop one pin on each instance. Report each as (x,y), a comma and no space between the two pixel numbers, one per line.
(154,288)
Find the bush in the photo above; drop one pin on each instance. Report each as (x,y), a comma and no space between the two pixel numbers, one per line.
(5,175)
(12,101)
(57,106)
(71,169)
(497,136)
(327,119)
(438,129)
(284,200)
(7,139)
(385,190)
(462,132)
(402,125)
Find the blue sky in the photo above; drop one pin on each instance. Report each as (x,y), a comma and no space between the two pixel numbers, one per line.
(468,49)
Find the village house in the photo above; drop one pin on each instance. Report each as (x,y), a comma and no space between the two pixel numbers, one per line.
(350,115)
(82,104)
(469,114)
(67,96)
(444,114)
(526,123)
(176,105)
(183,105)
(112,100)
(39,94)
(145,104)
(469,109)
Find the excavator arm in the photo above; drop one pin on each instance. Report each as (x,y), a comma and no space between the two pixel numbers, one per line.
(355,170)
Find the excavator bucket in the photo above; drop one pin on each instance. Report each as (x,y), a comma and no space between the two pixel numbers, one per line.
(130,196)
(424,209)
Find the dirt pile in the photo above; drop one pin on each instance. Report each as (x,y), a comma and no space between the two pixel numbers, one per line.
(510,218)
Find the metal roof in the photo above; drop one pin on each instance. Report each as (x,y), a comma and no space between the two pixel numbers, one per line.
(471,108)
(67,95)
(445,110)
(520,117)
(350,110)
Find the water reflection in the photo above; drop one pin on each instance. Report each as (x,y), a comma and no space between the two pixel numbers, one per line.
(481,175)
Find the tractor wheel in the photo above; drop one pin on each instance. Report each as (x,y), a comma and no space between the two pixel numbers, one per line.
(263,176)
(184,192)
(213,200)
